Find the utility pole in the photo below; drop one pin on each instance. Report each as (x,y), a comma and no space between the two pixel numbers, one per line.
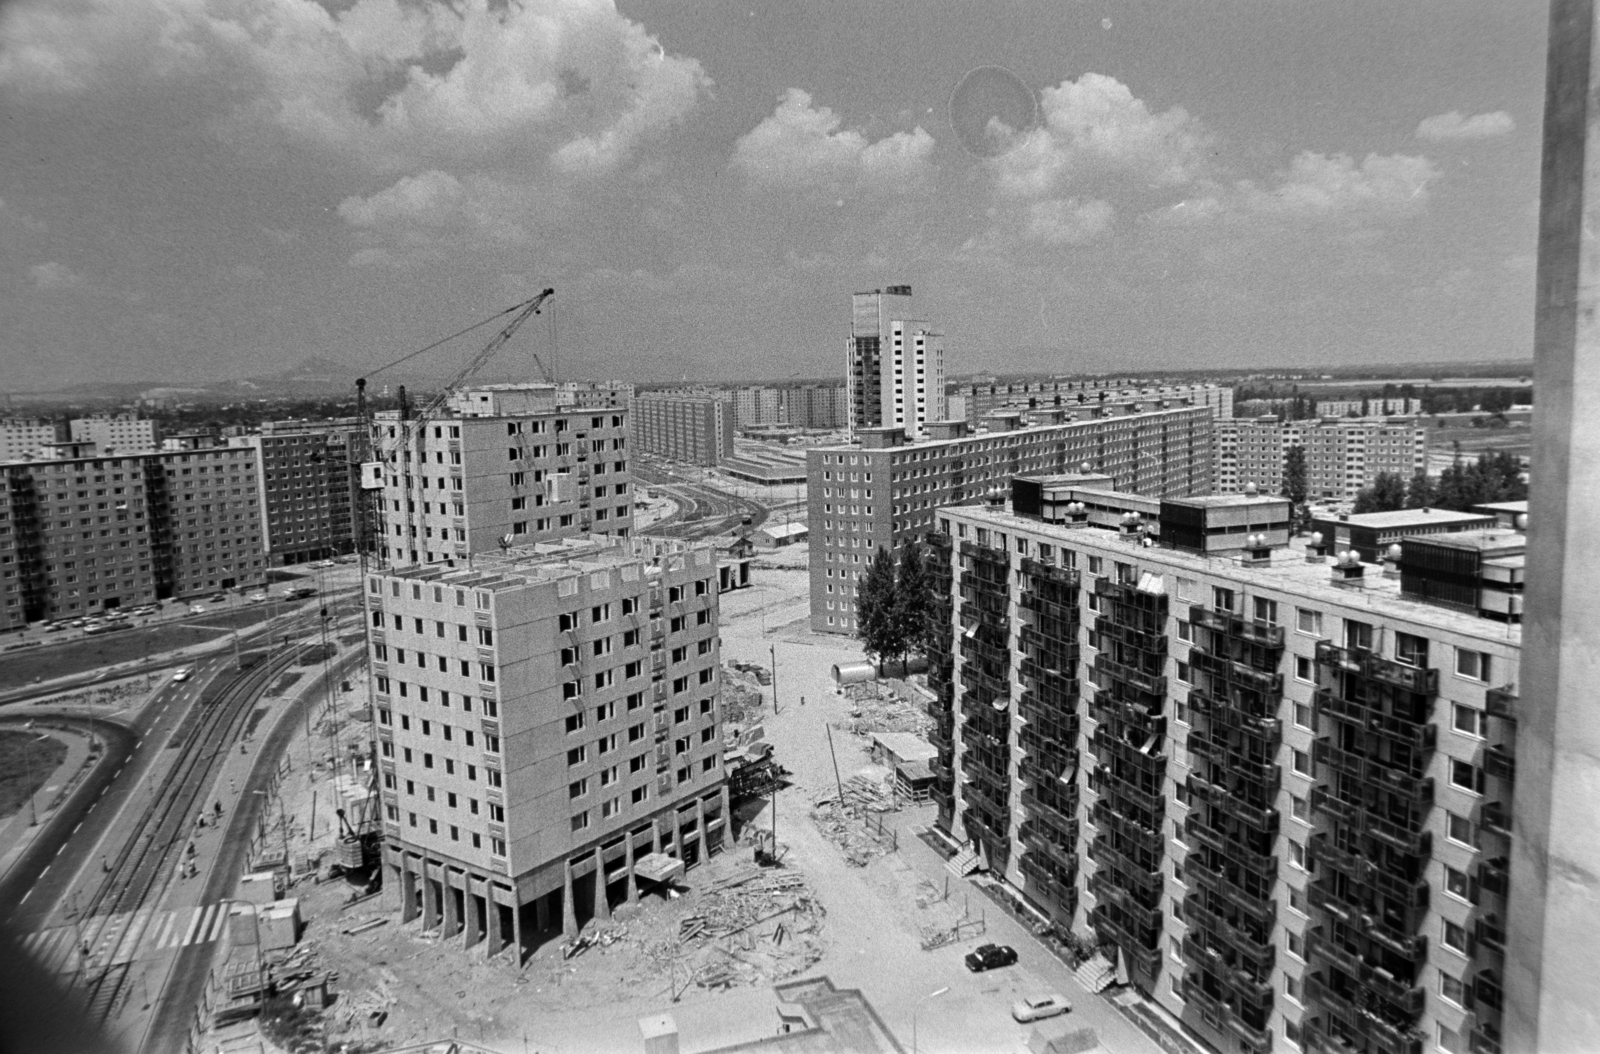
(836,780)
(774,654)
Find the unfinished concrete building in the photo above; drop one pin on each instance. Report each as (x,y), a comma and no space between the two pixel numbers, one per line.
(548,733)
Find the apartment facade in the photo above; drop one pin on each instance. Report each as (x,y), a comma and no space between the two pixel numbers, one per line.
(886,489)
(87,534)
(500,467)
(117,433)
(696,428)
(1343,456)
(894,364)
(308,488)
(545,721)
(978,399)
(1276,787)
(814,406)
(1379,407)
(22,437)
(758,406)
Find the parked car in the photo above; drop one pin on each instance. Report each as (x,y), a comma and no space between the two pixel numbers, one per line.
(196,609)
(1037,1008)
(990,957)
(258,598)
(217,598)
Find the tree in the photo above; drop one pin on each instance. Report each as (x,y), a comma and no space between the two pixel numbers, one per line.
(1387,493)
(1421,492)
(877,625)
(1294,484)
(913,596)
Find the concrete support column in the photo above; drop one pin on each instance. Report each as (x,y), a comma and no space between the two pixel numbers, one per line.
(496,939)
(700,825)
(430,894)
(516,933)
(452,917)
(569,914)
(1552,962)
(602,903)
(633,884)
(541,913)
(408,890)
(655,835)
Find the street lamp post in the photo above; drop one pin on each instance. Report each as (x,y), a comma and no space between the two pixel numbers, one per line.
(915,1006)
(27,754)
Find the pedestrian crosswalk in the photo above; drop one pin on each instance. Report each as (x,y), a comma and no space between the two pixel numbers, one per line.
(110,940)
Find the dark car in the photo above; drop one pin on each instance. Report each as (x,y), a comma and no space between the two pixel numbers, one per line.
(990,956)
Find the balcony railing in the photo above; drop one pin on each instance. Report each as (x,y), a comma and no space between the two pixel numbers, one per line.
(1502,702)
(1422,680)
(1263,633)
(1149,683)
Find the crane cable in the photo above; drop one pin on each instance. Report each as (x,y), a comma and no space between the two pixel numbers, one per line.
(453,336)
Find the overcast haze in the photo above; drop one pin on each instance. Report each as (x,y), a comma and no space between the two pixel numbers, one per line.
(212,188)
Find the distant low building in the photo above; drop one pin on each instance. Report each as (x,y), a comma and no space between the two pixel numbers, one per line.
(774,535)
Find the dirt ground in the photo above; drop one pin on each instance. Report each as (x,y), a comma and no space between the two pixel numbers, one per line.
(709,955)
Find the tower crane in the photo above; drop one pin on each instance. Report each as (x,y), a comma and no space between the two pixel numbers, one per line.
(412,426)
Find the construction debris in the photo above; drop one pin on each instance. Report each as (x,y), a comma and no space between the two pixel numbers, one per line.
(857,828)
(885,706)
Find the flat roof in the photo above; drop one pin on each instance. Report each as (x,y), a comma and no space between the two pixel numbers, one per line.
(548,561)
(1288,571)
(784,530)
(1223,501)
(907,745)
(1484,541)
(1400,518)
(1504,506)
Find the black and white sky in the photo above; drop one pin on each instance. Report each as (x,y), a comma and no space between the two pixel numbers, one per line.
(202,189)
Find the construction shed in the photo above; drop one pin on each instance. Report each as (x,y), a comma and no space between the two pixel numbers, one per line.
(907,757)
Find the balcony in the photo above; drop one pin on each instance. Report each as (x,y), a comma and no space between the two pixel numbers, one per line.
(1410,786)
(1042,880)
(1496,818)
(1494,876)
(1502,702)
(1500,762)
(1263,633)
(1367,664)
(1229,845)
(1142,948)
(1149,683)
(1235,977)
(1411,729)
(1252,941)
(1215,879)
(1139,917)
(1231,671)
(1050,811)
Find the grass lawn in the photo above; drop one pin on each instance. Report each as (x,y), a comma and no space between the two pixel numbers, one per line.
(24,755)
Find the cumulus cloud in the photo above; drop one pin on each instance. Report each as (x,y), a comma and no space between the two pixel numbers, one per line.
(1318,186)
(54,275)
(1326,184)
(430,199)
(1042,226)
(401,85)
(1095,125)
(801,145)
(1455,125)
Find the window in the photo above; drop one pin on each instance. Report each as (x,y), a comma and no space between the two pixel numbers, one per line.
(1183,672)
(1454,937)
(1308,621)
(1297,945)
(1291,987)
(1297,854)
(1297,901)
(1266,610)
(1457,884)
(1411,649)
(1472,664)
(1466,776)
(1357,635)
(1460,829)
(1452,989)
(1291,1033)
(1467,721)
(1185,631)
(640,794)
(1303,717)
(1303,670)
(578,788)
(637,764)
(580,821)
(577,755)
(1300,809)
(1302,762)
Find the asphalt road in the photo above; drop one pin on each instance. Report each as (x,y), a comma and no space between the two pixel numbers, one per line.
(704,511)
(186,982)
